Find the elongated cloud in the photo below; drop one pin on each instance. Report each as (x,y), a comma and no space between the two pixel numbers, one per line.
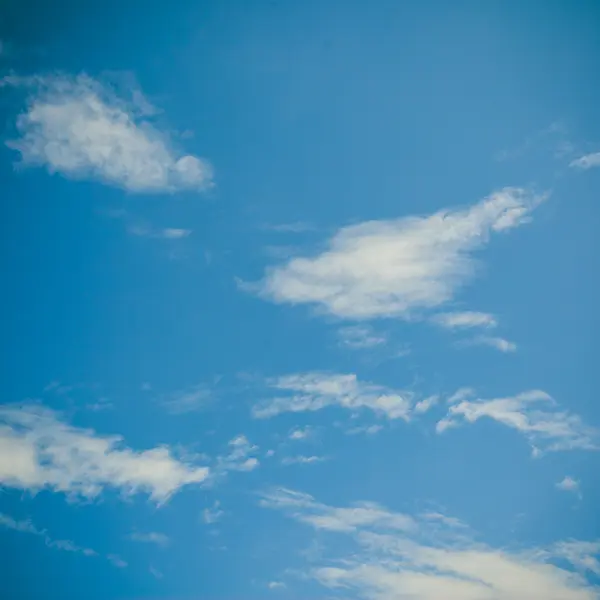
(309,392)
(38,450)
(81,129)
(534,414)
(393,556)
(464,320)
(588,161)
(395,268)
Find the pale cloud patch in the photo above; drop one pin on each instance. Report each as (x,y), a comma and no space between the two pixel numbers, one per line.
(276,585)
(359,337)
(313,391)
(150,537)
(117,561)
(396,268)
(38,451)
(82,129)
(301,433)
(301,460)
(426,404)
(431,561)
(187,400)
(497,343)
(534,414)
(568,484)
(240,456)
(165,233)
(588,161)
(464,320)
(212,514)
(367,429)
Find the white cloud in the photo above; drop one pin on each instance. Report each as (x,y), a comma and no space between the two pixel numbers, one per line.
(213,514)
(28,527)
(239,457)
(582,555)
(348,519)
(360,336)
(588,161)
(275,585)
(568,484)
(394,268)
(38,450)
(426,404)
(81,129)
(301,433)
(497,343)
(301,460)
(314,391)
(464,320)
(534,414)
(384,561)
(151,537)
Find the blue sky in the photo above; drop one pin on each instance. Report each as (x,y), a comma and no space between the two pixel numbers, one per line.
(300,300)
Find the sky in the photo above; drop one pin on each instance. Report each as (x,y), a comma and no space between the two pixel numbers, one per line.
(299,300)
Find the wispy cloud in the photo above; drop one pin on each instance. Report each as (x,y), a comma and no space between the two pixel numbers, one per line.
(187,400)
(276,585)
(360,336)
(82,129)
(301,460)
(464,320)
(26,526)
(497,343)
(39,450)
(314,391)
(117,561)
(394,268)
(240,456)
(426,404)
(150,537)
(588,161)
(534,414)
(367,429)
(165,233)
(212,514)
(347,519)
(295,227)
(391,555)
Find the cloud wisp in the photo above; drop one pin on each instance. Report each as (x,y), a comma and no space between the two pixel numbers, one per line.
(392,555)
(309,392)
(588,161)
(150,537)
(82,129)
(534,414)
(497,343)
(396,268)
(464,320)
(38,451)
(26,526)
